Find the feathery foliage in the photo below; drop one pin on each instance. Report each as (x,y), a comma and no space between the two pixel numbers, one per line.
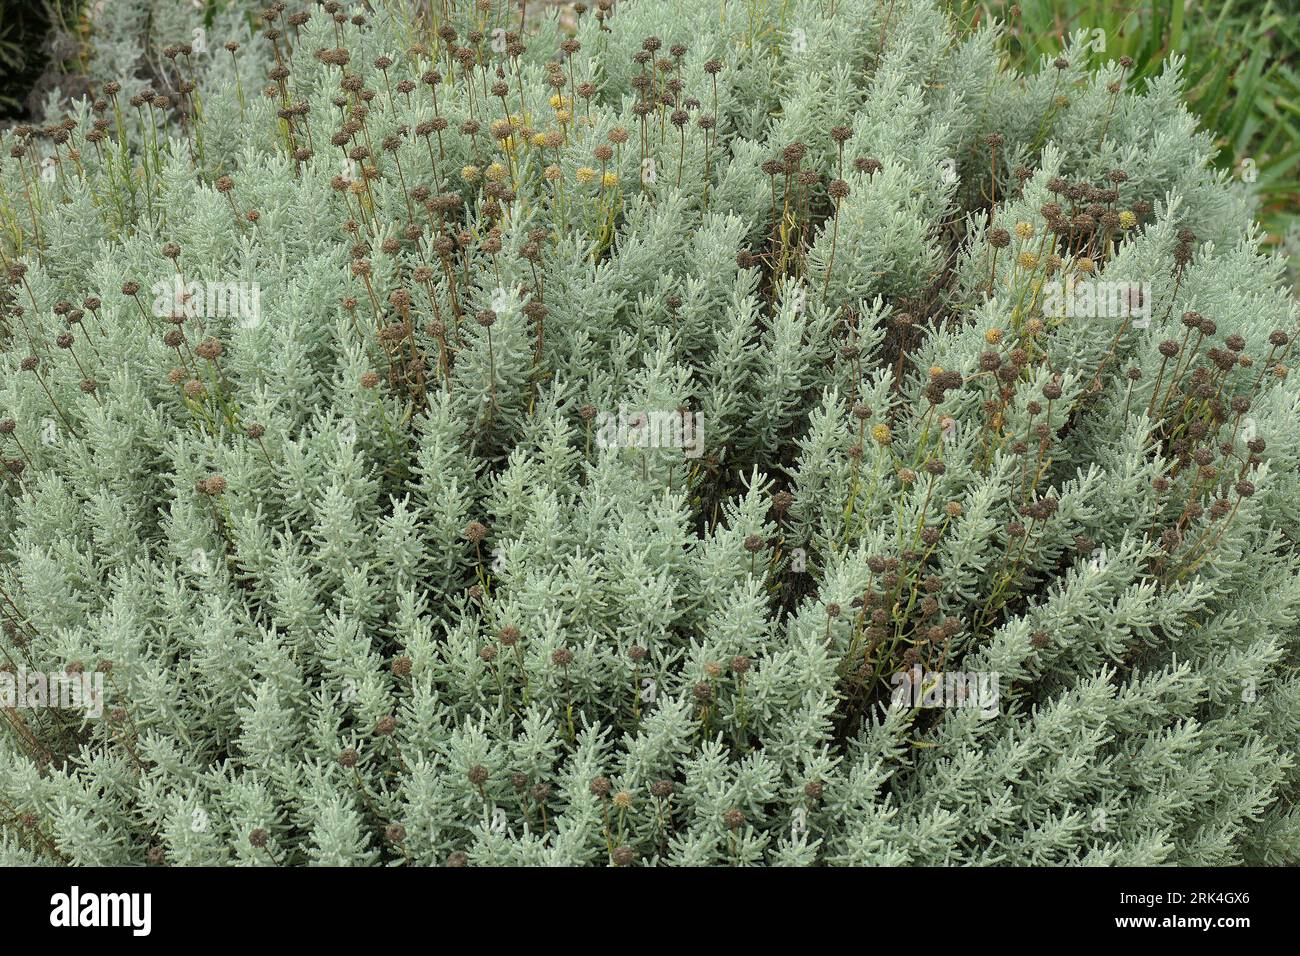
(456,445)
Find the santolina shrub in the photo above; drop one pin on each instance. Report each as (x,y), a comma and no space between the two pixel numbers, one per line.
(699,434)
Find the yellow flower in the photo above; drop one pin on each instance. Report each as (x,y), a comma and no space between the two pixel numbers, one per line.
(1027,260)
(585,174)
(557,101)
(496,172)
(469,173)
(881,434)
(539,140)
(563,116)
(936,371)
(993,336)
(1025,230)
(609,180)
(1084,264)
(1127,220)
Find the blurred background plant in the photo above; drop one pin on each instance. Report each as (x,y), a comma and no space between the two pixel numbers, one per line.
(44,44)
(1240,73)
(23,29)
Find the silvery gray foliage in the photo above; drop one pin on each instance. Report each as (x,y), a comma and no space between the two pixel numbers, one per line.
(377,566)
